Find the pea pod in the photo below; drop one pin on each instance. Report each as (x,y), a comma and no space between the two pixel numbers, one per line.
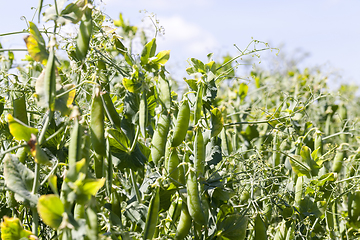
(91,223)
(276,149)
(172,166)
(199,152)
(97,123)
(158,141)
(152,216)
(184,225)
(299,190)
(260,228)
(50,79)
(318,144)
(193,199)
(83,38)
(110,110)
(338,159)
(164,91)
(97,132)
(143,114)
(75,150)
(181,124)
(198,104)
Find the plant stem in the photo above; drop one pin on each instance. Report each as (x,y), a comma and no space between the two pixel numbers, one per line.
(136,189)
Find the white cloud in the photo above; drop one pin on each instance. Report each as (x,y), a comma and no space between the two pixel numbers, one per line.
(188,38)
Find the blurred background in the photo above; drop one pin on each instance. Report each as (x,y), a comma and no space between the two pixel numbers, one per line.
(321,34)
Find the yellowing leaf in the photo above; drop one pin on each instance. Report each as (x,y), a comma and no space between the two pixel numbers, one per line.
(19,130)
(36,151)
(51,209)
(36,45)
(11,229)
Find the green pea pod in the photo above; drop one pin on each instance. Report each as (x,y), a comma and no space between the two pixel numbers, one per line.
(299,190)
(338,159)
(152,216)
(85,32)
(143,114)
(164,91)
(110,110)
(19,105)
(276,149)
(103,76)
(184,225)
(318,143)
(75,151)
(260,228)
(198,104)
(50,80)
(193,199)
(199,152)
(159,139)
(172,166)
(97,123)
(115,203)
(181,124)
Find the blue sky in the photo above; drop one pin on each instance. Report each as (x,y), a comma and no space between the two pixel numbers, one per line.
(328,30)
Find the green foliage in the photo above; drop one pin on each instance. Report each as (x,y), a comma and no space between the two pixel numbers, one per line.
(99,145)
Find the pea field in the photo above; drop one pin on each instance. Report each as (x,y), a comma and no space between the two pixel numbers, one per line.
(98,142)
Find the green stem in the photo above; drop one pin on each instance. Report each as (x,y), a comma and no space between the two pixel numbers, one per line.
(136,189)
(135,139)
(12,33)
(13,49)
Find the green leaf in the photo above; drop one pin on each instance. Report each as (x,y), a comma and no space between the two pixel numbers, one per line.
(217,122)
(132,85)
(52,180)
(198,65)
(299,167)
(243,90)
(36,45)
(148,52)
(19,130)
(161,58)
(118,140)
(18,178)
(11,229)
(2,103)
(51,209)
(64,102)
(71,13)
(192,84)
(233,227)
(210,67)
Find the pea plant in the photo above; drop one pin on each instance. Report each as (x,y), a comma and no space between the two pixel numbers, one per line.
(98,143)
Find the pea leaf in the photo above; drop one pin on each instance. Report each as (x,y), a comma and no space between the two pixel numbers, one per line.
(161,58)
(51,209)
(2,103)
(299,167)
(71,13)
(217,122)
(233,227)
(11,229)
(148,52)
(64,102)
(36,151)
(36,45)
(243,90)
(19,130)
(118,140)
(19,179)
